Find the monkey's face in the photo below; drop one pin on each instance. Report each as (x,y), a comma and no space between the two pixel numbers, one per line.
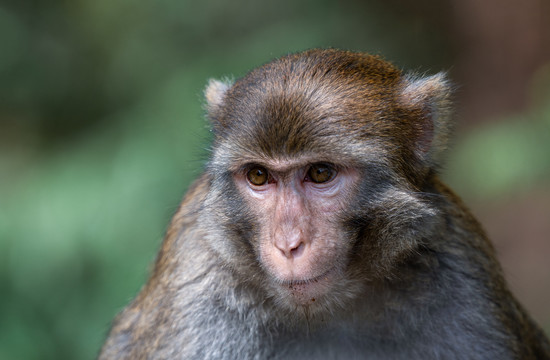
(296,204)
(316,166)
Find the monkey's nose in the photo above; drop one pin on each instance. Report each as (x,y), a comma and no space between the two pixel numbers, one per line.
(291,249)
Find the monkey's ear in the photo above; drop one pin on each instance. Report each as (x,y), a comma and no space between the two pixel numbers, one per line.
(428,100)
(215,93)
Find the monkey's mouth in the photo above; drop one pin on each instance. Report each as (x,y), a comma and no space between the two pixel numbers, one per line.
(314,279)
(307,291)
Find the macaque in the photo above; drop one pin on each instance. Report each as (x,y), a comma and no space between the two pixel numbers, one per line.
(321,230)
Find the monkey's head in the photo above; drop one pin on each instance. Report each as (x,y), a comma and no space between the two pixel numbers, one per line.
(318,164)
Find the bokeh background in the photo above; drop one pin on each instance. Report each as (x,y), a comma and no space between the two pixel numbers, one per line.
(102,129)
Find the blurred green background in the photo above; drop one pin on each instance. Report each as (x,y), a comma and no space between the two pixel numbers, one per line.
(102,129)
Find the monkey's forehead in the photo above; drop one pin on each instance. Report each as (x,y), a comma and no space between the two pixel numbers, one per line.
(290,123)
(298,118)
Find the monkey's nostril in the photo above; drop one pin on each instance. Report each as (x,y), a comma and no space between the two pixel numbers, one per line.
(297,250)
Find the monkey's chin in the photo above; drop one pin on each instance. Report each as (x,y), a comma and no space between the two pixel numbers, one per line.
(311,291)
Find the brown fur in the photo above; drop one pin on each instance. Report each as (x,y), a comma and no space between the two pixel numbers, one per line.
(419,278)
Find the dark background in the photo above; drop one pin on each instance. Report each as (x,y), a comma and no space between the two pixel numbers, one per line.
(102,130)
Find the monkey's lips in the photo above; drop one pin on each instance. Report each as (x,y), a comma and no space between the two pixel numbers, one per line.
(307,291)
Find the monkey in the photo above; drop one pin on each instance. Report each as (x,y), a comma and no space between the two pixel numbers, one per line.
(320,229)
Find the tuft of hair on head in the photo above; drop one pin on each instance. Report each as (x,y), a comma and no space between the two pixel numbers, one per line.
(429,99)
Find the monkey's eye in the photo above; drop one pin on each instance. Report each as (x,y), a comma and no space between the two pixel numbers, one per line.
(257,176)
(321,173)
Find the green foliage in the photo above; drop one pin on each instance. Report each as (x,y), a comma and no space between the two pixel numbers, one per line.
(503,158)
(80,226)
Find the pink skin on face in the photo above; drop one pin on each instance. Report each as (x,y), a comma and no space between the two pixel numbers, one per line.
(299,240)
